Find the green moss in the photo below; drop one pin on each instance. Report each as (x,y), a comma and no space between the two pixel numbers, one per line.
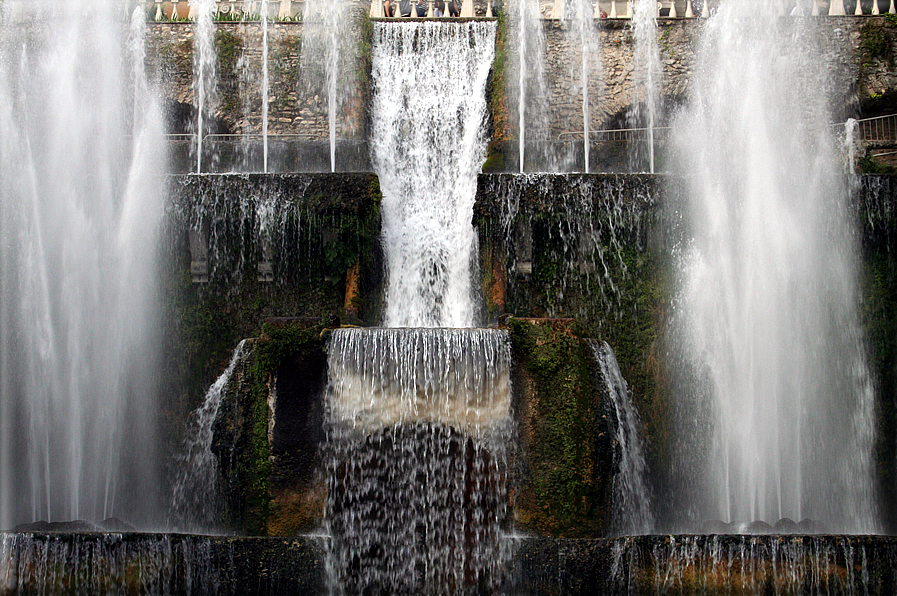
(275,346)
(496,91)
(565,491)
(229,48)
(879,312)
(875,43)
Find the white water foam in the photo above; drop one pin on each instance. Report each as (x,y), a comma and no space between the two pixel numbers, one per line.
(779,423)
(81,202)
(428,143)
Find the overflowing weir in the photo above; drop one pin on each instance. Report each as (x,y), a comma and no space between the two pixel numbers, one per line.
(418,423)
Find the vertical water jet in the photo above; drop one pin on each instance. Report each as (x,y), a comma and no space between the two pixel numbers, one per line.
(526,27)
(82,201)
(647,73)
(767,308)
(204,69)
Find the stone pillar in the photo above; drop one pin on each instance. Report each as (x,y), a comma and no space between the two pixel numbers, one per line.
(689,12)
(286,9)
(836,8)
(613,9)
(467,9)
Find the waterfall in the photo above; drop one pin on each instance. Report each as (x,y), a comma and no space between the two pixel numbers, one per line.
(777,418)
(81,202)
(632,507)
(427,144)
(204,70)
(196,503)
(418,426)
(647,74)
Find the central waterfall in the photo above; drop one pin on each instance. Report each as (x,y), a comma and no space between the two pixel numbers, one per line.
(428,142)
(418,419)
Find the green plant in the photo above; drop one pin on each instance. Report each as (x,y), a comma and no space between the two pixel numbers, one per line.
(875,43)
(869,164)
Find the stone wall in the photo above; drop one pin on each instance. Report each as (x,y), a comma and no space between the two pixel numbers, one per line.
(859,53)
(297,99)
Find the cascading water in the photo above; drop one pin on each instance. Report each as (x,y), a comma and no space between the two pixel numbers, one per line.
(525,24)
(428,142)
(779,422)
(418,425)
(646,75)
(204,70)
(196,500)
(632,505)
(81,203)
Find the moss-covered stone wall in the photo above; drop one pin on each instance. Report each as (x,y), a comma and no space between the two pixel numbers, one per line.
(594,248)
(566,463)
(242,249)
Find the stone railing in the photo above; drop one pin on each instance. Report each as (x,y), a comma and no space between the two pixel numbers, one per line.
(685,8)
(236,9)
(427,7)
(292,9)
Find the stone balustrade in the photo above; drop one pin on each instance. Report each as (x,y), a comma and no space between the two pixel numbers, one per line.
(614,9)
(274,9)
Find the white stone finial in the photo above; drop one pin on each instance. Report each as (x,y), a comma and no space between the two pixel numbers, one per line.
(558,9)
(159,10)
(689,11)
(613,9)
(836,8)
(376,8)
(705,10)
(859,9)
(286,9)
(815,11)
(891,8)
(673,14)
(875,7)
(489,14)
(467,9)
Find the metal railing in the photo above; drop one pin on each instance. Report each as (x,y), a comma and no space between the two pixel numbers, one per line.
(616,134)
(881,129)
